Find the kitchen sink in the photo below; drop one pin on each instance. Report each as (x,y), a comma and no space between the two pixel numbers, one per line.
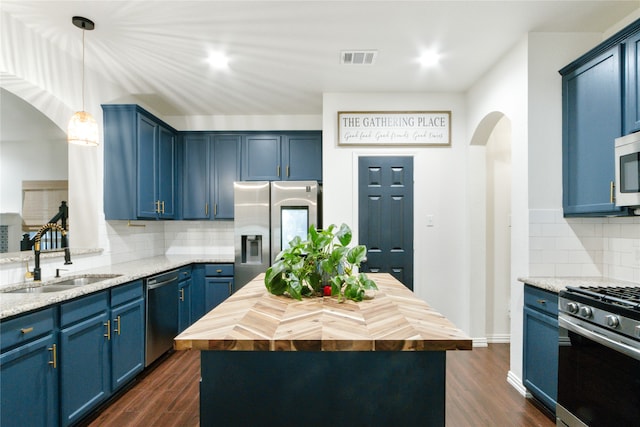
(64,285)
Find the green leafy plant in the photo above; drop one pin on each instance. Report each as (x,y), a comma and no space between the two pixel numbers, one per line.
(321,262)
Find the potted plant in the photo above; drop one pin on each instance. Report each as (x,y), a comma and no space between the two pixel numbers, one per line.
(323,264)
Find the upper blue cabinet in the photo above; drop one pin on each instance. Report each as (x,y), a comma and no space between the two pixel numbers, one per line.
(632,93)
(210,164)
(139,165)
(599,104)
(152,171)
(282,156)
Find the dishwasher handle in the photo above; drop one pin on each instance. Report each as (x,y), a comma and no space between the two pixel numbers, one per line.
(154,285)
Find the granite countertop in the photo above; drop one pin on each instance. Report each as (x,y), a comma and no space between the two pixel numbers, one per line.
(556,284)
(393,320)
(12,304)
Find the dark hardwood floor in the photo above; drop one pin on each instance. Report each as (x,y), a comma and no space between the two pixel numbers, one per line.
(477,394)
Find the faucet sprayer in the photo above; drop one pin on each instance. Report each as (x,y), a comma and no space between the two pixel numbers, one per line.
(36,247)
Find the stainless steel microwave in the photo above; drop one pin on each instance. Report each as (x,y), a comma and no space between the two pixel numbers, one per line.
(627,156)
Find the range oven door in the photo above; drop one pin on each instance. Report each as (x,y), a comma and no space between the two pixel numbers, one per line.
(598,377)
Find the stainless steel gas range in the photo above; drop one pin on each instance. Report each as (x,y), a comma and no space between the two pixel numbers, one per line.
(599,356)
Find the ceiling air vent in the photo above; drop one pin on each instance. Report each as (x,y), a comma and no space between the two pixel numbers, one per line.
(358,57)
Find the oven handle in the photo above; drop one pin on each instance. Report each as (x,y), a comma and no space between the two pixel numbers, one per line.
(566,323)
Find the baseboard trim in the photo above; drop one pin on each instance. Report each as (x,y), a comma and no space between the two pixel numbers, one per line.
(499,339)
(480,342)
(492,339)
(517,384)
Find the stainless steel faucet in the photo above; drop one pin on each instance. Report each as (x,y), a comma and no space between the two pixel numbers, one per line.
(36,247)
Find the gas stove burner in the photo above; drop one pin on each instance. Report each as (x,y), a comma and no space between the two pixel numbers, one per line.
(626,296)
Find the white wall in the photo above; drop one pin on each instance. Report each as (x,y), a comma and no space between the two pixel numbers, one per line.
(504,90)
(441,261)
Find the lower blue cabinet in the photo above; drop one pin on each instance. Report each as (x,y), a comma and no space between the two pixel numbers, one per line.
(127,333)
(218,284)
(216,290)
(540,352)
(58,364)
(29,371)
(184,299)
(84,355)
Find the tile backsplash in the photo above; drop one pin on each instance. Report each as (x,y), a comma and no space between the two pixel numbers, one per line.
(582,247)
(128,241)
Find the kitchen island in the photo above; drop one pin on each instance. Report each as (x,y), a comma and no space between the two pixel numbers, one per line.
(272,360)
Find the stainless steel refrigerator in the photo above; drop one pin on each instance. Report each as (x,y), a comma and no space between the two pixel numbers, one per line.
(267,216)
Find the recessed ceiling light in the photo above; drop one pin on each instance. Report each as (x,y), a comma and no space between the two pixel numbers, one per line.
(218,60)
(429,58)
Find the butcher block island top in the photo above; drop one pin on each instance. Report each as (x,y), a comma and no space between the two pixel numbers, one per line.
(395,319)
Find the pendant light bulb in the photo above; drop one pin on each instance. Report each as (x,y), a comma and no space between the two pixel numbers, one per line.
(83,128)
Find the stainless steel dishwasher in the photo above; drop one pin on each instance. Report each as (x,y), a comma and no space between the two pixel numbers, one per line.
(161,314)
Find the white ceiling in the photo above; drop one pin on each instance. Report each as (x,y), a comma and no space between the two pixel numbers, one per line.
(285,54)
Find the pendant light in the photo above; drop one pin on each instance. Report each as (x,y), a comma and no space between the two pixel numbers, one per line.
(83,128)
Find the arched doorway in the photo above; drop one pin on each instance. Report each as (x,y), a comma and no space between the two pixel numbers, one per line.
(490,191)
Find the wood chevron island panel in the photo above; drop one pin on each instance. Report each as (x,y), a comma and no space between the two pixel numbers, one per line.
(393,320)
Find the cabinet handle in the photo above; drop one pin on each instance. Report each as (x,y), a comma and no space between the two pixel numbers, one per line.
(54,359)
(108,334)
(542,301)
(182,294)
(206,209)
(215,209)
(218,271)
(230,288)
(278,171)
(157,203)
(26,330)
(163,206)
(612,193)
(288,171)
(117,329)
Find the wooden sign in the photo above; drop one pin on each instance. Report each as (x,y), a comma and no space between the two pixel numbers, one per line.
(394,128)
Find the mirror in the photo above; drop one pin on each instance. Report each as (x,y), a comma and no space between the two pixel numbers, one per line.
(32,148)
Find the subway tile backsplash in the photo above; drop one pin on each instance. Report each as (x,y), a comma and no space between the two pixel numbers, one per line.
(583,247)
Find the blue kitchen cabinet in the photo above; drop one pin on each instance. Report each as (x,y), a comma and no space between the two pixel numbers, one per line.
(600,102)
(139,165)
(195,176)
(282,156)
(127,333)
(84,355)
(592,119)
(156,170)
(540,345)
(184,298)
(29,370)
(632,83)
(226,171)
(302,155)
(218,284)
(102,347)
(197,292)
(210,165)
(261,157)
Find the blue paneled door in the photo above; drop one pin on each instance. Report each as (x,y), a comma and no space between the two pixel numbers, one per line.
(385,223)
